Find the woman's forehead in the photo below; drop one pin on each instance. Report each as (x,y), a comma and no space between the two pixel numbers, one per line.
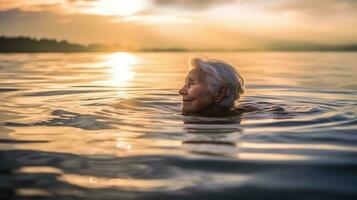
(196,74)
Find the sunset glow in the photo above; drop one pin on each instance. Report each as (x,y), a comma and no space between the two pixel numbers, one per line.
(194,24)
(115,7)
(178,99)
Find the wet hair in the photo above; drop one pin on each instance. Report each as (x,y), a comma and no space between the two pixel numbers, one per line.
(220,73)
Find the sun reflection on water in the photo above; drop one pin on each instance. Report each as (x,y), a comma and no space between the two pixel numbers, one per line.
(120,70)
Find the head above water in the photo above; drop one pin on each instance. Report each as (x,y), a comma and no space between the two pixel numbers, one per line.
(210,86)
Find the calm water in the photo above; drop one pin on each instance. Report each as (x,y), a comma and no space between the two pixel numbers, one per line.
(108,126)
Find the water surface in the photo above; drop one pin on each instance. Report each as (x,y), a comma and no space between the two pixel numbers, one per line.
(108,126)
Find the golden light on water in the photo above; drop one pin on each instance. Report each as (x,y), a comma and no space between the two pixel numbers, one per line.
(119,70)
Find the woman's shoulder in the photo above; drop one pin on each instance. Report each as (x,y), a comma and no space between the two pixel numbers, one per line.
(246,107)
(252,107)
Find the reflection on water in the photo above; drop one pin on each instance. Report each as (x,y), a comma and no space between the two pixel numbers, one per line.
(212,135)
(108,126)
(120,71)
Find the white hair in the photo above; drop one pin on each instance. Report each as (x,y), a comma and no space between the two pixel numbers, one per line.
(220,73)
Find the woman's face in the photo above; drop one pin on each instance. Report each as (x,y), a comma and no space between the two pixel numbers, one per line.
(195,93)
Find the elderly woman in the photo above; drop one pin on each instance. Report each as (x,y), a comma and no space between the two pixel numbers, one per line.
(212,87)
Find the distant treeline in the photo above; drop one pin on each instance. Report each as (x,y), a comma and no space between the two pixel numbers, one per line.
(304,46)
(164,49)
(26,44)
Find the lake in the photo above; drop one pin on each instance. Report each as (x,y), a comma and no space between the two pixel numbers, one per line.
(108,126)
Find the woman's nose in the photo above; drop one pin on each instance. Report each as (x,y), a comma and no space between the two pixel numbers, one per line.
(183,90)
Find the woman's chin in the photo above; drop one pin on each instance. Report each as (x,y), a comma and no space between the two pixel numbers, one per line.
(186,110)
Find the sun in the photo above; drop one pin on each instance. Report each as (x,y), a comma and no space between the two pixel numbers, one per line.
(116,7)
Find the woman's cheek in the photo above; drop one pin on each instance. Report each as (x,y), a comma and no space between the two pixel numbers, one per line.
(201,100)
(194,94)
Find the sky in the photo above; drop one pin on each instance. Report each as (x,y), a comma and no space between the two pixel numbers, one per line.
(195,24)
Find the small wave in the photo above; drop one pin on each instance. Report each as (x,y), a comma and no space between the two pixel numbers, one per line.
(71,119)
(8,89)
(65,92)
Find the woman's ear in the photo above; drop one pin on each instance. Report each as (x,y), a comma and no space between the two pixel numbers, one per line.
(220,94)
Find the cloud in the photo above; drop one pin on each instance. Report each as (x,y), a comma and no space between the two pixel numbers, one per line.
(96,7)
(33,6)
(191,4)
(316,8)
(53,25)
(74,1)
(331,20)
(220,23)
(82,28)
(65,6)
(86,29)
